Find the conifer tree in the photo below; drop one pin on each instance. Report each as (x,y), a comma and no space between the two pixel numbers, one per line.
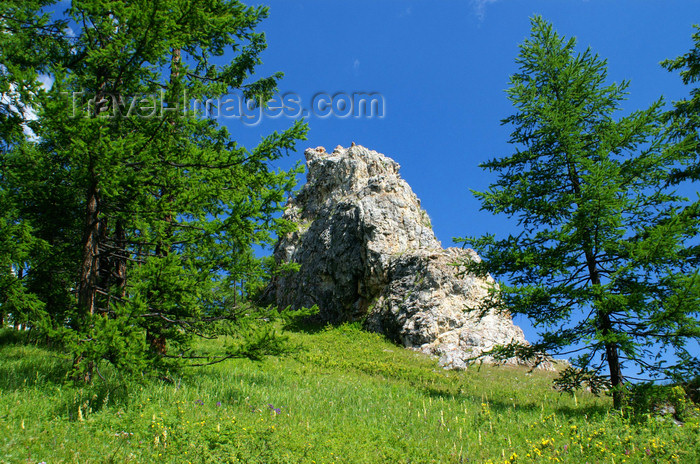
(597,264)
(684,127)
(167,204)
(29,38)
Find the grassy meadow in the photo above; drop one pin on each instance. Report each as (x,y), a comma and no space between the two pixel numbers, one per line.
(345,396)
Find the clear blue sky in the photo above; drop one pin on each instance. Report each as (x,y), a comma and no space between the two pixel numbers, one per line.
(442,67)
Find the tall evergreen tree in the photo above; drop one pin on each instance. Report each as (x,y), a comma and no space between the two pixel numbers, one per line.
(168,203)
(684,126)
(29,39)
(685,116)
(598,263)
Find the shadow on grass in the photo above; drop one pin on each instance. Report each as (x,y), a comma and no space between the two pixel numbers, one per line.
(12,337)
(25,363)
(92,398)
(506,407)
(304,323)
(18,370)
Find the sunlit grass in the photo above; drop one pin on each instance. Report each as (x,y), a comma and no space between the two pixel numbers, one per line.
(345,397)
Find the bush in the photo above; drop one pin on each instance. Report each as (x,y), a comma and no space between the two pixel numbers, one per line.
(678,400)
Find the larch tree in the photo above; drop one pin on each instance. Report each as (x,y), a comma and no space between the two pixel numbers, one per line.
(29,38)
(598,262)
(168,204)
(685,116)
(683,122)
(684,127)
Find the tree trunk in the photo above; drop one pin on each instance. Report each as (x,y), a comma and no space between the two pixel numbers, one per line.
(612,355)
(155,340)
(89,273)
(611,349)
(120,241)
(89,270)
(605,324)
(90,265)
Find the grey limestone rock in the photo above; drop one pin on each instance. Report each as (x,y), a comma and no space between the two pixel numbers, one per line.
(367,251)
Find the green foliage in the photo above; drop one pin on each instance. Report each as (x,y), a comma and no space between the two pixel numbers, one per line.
(28,38)
(599,262)
(136,232)
(685,117)
(684,127)
(346,397)
(648,399)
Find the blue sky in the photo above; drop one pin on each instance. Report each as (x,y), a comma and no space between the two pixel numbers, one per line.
(442,67)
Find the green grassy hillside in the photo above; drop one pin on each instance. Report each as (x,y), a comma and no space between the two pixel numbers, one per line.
(345,396)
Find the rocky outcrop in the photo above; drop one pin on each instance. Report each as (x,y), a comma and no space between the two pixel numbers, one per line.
(366,250)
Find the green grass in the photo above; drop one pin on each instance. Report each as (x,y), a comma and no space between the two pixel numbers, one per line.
(345,397)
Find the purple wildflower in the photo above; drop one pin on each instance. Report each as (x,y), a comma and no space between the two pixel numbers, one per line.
(274,409)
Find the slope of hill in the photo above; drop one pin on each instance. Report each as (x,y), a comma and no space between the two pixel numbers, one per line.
(345,396)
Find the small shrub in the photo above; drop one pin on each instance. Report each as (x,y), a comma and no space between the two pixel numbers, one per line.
(662,400)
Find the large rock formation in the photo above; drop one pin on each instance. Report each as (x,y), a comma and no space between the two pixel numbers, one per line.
(366,250)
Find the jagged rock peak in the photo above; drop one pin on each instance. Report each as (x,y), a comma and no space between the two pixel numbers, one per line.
(366,250)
